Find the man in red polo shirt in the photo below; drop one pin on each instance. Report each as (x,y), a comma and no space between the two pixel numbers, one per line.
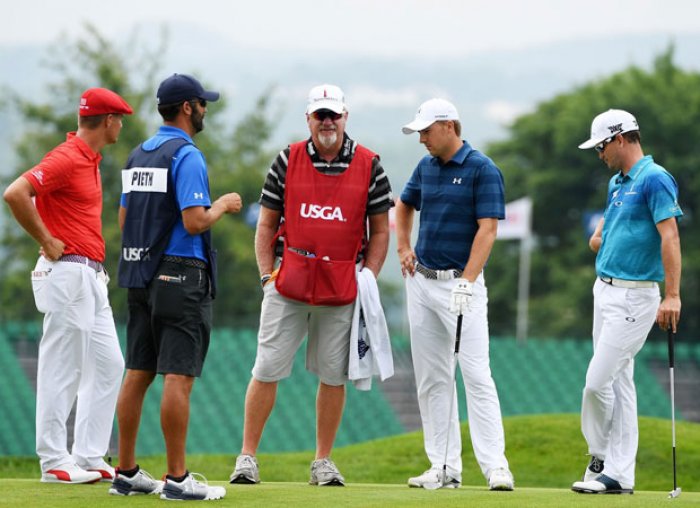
(59,203)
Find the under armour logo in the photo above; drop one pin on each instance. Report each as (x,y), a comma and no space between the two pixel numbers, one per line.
(457,181)
(198,195)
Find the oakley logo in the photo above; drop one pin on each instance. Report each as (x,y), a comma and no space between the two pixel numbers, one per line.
(311,211)
(615,128)
(630,319)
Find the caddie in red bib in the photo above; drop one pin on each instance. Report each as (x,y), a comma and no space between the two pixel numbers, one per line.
(324,213)
(323,228)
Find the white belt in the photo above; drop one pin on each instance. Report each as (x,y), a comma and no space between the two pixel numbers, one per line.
(629,284)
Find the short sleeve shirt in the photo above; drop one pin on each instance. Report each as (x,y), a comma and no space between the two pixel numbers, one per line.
(451,197)
(189,172)
(68,191)
(637,202)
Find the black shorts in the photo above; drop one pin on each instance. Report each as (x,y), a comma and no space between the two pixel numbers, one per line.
(170,321)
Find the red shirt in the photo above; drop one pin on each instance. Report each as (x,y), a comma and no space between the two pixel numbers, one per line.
(69,196)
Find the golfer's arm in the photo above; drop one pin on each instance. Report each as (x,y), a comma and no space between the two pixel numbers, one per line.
(670,256)
(481,248)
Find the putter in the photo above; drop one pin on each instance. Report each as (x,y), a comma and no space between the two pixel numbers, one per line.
(443,476)
(676,489)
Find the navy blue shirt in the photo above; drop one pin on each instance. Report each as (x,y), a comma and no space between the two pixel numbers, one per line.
(451,197)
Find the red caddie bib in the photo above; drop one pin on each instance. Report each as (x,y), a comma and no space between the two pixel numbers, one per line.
(324,223)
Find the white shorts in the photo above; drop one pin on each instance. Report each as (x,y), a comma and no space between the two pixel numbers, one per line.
(283,325)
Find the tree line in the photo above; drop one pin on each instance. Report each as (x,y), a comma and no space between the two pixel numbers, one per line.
(539,158)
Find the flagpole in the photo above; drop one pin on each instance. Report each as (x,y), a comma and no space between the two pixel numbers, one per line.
(523,290)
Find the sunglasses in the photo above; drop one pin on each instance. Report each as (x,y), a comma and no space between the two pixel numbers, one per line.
(202,102)
(322,114)
(600,147)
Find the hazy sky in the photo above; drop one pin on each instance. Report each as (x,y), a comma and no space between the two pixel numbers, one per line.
(386,27)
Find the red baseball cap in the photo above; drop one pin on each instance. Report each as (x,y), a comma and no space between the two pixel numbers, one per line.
(100,101)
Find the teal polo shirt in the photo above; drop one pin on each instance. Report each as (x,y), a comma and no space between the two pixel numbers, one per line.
(637,201)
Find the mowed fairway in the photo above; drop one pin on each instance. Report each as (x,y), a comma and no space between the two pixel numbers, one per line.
(546,453)
(28,493)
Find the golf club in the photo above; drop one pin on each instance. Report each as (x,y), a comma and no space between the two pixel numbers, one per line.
(671,333)
(443,478)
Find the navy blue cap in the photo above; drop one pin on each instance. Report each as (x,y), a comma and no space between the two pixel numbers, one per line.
(181,87)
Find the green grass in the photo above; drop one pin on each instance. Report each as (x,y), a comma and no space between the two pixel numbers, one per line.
(546,454)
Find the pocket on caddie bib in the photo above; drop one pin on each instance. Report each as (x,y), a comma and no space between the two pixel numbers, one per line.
(316,281)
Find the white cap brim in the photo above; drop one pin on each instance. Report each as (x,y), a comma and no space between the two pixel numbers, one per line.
(590,143)
(334,106)
(416,125)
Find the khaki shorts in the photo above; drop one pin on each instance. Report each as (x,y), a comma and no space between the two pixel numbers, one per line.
(283,325)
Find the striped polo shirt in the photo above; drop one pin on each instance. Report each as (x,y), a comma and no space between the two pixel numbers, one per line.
(379,199)
(637,201)
(451,197)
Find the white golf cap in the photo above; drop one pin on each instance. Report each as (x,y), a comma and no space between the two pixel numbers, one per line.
(610,123)
(326,97)
(430,112)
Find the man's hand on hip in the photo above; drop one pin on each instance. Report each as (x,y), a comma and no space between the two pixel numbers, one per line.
(461,296)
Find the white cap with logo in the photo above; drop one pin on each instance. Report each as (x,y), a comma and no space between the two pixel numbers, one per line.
(326,97)
(608,124)
(429,112)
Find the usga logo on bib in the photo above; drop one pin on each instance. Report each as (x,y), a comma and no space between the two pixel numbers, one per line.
(311,211)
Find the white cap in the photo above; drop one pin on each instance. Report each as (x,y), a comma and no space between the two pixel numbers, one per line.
(430,112)
(608,124)
(326,97)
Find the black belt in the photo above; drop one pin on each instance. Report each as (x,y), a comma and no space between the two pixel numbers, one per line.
(192,262)
(429,273)
(75,258)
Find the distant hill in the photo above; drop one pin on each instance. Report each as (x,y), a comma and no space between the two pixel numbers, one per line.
(489,89)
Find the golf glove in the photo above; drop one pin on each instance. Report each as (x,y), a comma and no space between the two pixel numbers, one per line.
(461,296)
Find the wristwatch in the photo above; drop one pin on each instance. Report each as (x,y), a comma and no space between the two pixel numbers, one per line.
(264,279)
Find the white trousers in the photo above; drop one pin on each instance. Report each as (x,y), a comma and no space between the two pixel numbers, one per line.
(433,331)
(79,356)
(622,319)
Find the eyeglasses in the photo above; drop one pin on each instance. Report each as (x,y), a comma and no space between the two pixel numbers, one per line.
(322,114)
(202,102)
(600,147)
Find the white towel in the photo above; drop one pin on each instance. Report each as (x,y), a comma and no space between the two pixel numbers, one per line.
(370,344)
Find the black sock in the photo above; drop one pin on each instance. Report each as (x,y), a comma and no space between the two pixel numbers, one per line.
(178,479)
(129,473)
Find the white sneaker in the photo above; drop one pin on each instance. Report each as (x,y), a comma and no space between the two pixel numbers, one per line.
(70,473)
(325,473)
(246,470)
(602,485)
(140,483)
(500,479)
(433,479)
(191,489)
(100,466)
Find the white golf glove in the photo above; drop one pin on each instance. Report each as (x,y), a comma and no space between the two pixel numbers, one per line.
(461,296)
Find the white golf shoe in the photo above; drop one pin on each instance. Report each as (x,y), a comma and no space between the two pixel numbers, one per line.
(602,485)
(191,489)
(70,473)
(501,479)
(434,478)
